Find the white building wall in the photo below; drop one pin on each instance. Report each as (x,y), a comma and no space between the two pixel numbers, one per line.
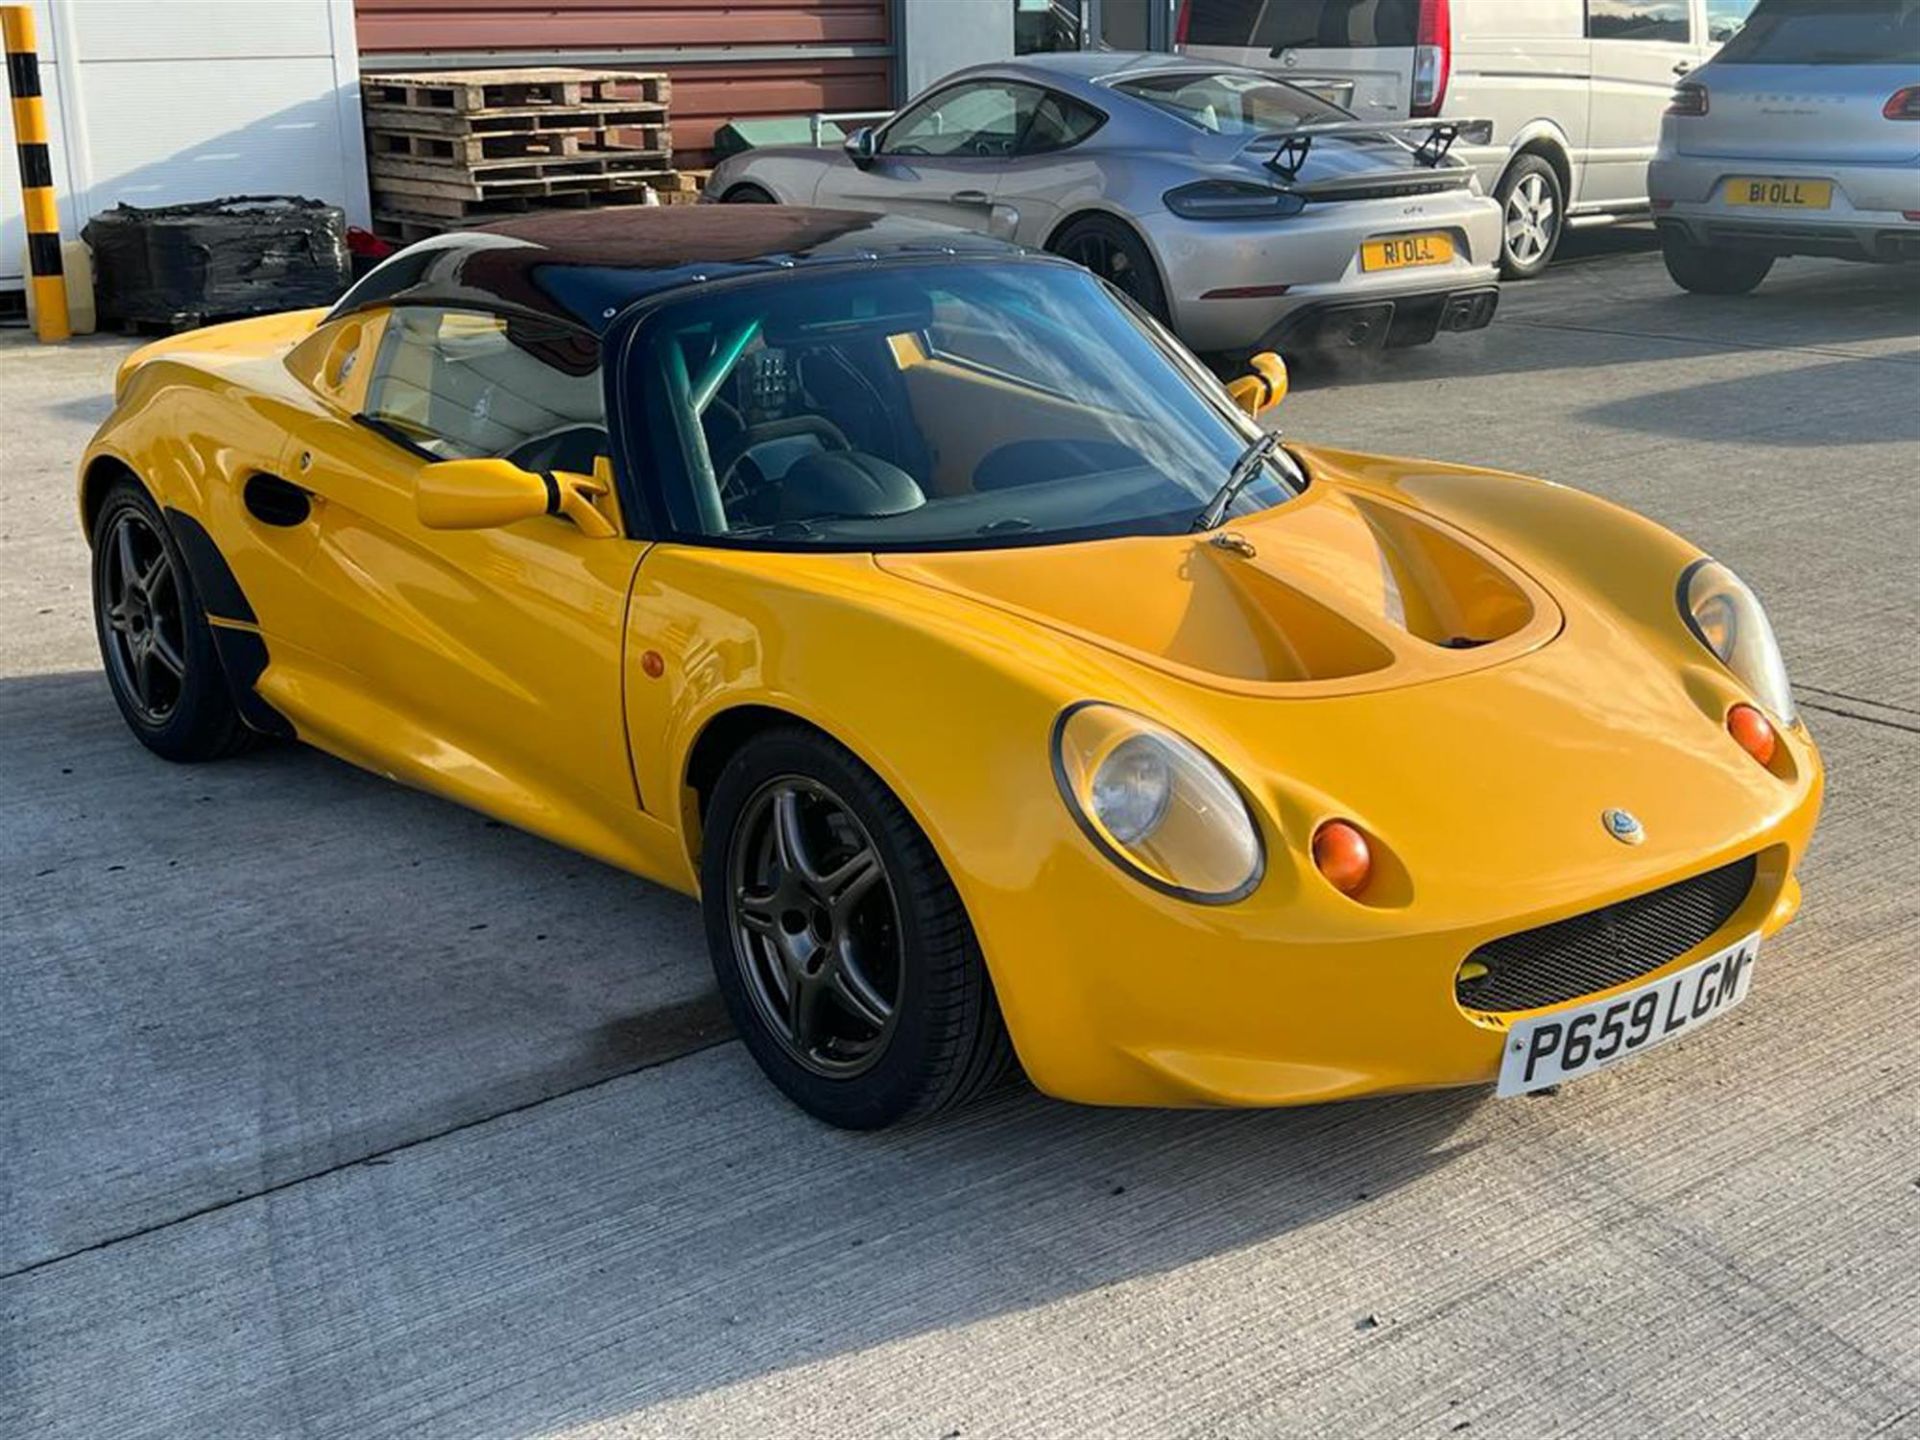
(156,102)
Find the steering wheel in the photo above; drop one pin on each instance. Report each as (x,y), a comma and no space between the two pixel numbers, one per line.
(829,434)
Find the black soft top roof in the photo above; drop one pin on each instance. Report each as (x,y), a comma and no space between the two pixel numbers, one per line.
(584,268)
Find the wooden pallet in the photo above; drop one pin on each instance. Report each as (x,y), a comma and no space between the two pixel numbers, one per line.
(472,92)
(453,212)
(476,181)
(457,190)
(482,151)
(401,223)
(500,122)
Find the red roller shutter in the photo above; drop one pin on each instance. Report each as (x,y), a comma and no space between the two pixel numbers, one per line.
(739,60)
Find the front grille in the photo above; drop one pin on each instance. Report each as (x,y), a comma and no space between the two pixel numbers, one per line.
(1606,947)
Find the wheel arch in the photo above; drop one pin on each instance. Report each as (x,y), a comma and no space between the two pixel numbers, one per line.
(724,733)
(1547,141)
(99,475)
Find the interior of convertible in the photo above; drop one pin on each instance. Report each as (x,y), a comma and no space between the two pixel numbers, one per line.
(930,404)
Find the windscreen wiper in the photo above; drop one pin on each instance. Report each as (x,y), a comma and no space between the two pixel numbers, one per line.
(1238,478)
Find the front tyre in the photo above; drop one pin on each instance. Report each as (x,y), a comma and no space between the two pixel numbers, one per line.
(748,195)
(154,640)
(840,946)
(1711,269)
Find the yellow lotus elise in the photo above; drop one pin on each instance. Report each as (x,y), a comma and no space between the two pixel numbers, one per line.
(998,684)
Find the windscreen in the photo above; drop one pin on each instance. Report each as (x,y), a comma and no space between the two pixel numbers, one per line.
(930,405)
(1299,24)
(1828,32)
(1231,102)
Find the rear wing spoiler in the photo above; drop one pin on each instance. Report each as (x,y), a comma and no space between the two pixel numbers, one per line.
(1437,137)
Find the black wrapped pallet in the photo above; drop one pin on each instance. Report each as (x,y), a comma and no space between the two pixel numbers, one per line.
(180,265)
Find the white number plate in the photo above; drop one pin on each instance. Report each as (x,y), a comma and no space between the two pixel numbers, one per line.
(1567,1044)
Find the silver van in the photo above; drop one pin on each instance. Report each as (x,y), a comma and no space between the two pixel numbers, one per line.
(1575,88)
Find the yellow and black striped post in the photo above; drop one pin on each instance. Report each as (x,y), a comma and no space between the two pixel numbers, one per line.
(36,174)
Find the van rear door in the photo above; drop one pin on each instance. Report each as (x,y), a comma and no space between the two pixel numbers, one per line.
(1356,53)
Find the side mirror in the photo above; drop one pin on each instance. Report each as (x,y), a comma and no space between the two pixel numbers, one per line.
(1265,388)
(486,494)
(862,147)
(477,495)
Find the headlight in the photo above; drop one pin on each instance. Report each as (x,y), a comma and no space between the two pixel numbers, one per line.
(1155,804)
(1232,200)
(1725,617)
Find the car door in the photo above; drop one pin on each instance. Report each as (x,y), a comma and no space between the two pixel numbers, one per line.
(485,664)
(941,158)
(1048,172)
(1639,49)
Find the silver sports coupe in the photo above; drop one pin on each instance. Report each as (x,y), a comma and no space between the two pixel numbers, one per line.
(1801,137)
(1242,211)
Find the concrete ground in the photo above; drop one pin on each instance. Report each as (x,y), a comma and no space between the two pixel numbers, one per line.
(327,1109)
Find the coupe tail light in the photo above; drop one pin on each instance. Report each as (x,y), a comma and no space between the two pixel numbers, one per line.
(1690,100)
(1181,23)
(1432,58)
(1904,104)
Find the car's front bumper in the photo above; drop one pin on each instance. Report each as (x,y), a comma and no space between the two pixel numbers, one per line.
(1214,270)
(1484,794)
(1867,219)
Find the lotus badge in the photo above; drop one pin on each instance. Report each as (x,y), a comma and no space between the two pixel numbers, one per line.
(1622,826)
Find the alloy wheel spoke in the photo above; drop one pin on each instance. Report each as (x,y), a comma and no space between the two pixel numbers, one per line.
(756,911)
(117,619)
(129,563)
(789,835)
(161,650)
(155,577)
(849,883)
(803,1012)
(854,990)
(143,674)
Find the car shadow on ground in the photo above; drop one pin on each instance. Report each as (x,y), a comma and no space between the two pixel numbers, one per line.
(1815,406)
(285,965)
(1591,313)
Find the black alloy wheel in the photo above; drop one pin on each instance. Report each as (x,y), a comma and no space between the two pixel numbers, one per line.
(1112,251)
(816,932)
(161,664)
(145,629)
(843,952)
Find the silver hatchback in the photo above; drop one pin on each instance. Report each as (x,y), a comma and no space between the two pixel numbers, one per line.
(1245,213)
(1802,137)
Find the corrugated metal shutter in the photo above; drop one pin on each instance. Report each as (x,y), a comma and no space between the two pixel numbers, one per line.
(734,61)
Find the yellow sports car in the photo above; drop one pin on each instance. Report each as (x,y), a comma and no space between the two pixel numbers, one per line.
(999,686)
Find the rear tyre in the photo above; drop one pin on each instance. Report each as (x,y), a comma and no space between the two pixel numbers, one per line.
(748,195)
(1712,269)
(1533,217)
(1111,250)
(840,946)
(154,639)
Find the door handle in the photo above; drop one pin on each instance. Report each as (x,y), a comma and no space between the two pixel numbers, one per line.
(971,197)
(1683,67)
(276,502)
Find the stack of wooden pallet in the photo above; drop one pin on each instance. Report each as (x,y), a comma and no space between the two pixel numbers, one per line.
(456,148)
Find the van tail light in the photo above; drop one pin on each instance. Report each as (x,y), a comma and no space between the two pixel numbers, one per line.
(1181,23)
(1903,104)
(1690,100)
(1432,58)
